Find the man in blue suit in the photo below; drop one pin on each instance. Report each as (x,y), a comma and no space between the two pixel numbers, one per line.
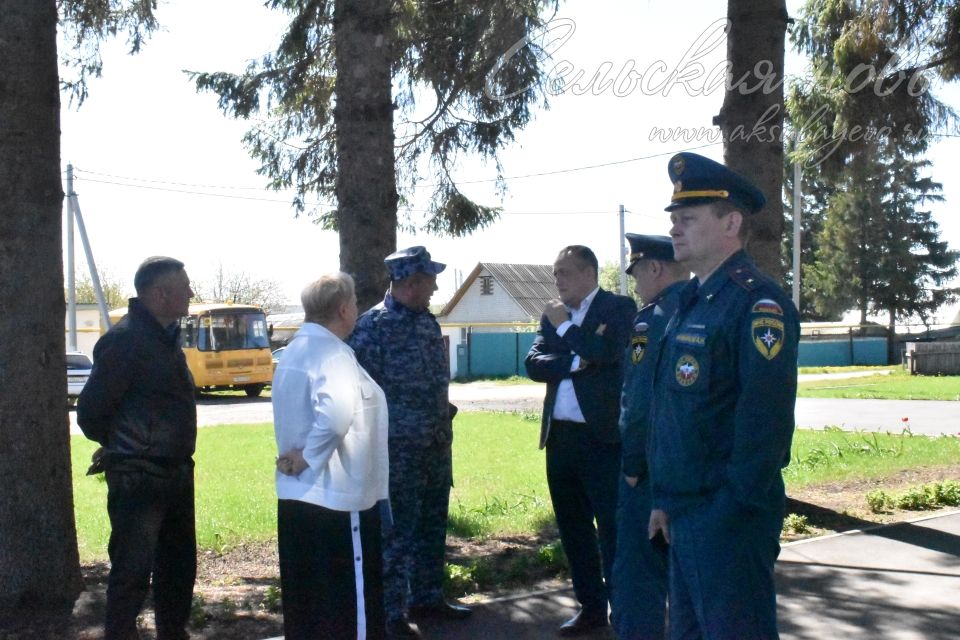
(578,352)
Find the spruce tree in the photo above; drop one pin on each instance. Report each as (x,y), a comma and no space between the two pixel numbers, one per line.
(340,115)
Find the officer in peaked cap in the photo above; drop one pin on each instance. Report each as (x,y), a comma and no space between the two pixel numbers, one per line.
(399,343)
(639,596)
(406,262)
(699,180)
(727,368)
(648,247)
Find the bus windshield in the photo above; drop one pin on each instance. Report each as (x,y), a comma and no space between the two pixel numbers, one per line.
(226,330)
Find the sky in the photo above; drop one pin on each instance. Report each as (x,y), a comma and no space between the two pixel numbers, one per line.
(160,170)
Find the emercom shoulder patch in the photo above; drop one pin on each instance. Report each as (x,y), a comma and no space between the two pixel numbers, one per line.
(767,336)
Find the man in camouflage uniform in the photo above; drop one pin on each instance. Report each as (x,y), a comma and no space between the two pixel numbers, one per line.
(399,343)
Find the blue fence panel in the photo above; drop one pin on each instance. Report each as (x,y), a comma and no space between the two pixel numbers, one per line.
(502,354)
(495,354)
(824,353)
(843,352)
(870,351)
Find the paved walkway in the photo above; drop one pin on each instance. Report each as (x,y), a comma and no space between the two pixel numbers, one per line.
(924,417)
(897,582)
(927,417)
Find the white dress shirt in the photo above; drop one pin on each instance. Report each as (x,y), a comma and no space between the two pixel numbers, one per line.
(326,404)
(566,406)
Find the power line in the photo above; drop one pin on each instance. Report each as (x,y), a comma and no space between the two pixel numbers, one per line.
(540,174)
(199,193)
(325,204)
(147,180)
(584,168)
(418,186)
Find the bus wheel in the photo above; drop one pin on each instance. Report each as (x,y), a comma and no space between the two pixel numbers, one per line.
(253,390)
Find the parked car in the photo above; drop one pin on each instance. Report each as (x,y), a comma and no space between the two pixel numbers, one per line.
(78,370)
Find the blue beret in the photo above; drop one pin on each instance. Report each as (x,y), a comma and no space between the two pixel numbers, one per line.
(699,180)
(649,247)
(406,262)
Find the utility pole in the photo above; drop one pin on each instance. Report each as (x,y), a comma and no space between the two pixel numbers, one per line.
(797,193)
(73,214)
(623,255)
(71,276)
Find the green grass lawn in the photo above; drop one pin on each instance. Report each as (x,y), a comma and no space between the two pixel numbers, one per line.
(833,455)
(499,477)
(234,489)
(809,370)
(897,385)
(504,380)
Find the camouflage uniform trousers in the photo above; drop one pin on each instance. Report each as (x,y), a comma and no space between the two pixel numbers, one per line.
(413,548)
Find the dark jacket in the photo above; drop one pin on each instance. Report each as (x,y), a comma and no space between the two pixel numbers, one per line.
(640,364)
(724,394)
(598,385)
(139,398)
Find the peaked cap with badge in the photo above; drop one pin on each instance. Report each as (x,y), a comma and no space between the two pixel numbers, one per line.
(406,262)
(648,247)
(700,180)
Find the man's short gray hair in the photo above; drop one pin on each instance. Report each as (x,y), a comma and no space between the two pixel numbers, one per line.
(322,298)
(152,270)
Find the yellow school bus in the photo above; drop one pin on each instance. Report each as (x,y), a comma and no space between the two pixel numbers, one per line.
(227,346)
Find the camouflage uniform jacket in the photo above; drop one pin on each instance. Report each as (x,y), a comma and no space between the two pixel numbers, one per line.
(403,351)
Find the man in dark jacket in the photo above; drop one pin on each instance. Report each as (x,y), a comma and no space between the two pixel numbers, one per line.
(579,354)
(139,405)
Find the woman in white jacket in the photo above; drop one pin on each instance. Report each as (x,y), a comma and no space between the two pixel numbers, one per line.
(330,420)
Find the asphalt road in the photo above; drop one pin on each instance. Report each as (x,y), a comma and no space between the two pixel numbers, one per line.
(926,417)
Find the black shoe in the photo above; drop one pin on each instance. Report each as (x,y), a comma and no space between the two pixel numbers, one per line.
(440,609)
(583,623)
(400,629)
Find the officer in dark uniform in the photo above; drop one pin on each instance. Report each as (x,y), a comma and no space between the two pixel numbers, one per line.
(723,414)
(639,595)
(399,343)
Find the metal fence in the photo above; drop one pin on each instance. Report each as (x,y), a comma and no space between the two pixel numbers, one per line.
(501,353)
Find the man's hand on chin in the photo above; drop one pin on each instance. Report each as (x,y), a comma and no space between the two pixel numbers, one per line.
(556,313)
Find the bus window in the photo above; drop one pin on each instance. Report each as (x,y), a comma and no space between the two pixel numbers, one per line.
(229,331)
(187,338)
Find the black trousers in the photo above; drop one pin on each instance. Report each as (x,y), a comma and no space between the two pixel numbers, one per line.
(153,533)
(318,569)
(583,475)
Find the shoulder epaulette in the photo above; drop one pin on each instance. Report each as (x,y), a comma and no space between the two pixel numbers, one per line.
(746,276)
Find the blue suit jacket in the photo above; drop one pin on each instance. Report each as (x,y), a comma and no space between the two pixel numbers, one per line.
(600,341)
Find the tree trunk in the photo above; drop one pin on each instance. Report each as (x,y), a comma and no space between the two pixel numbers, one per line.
(363,114)
(39,566)
(752,122)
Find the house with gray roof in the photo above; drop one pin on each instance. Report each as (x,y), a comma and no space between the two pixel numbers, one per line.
(501,294)
(492,318)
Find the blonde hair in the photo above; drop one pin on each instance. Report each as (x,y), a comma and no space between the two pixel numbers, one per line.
(322,298)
